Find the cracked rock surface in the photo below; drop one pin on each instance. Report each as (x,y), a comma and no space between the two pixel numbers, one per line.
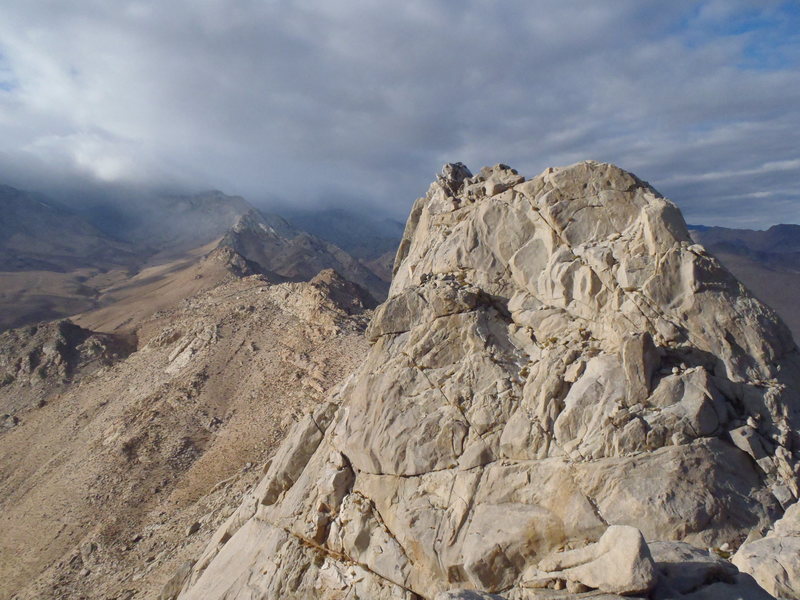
(555,358)
(774,561)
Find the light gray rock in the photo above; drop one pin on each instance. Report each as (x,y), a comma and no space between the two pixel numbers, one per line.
(774,561)
(618,563)
(554,360)
(466,595)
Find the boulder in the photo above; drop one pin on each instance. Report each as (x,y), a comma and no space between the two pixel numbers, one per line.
(774,561)
(618,563)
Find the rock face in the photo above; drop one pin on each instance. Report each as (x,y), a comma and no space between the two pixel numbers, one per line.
(619,563)
(556,359)
(774,561)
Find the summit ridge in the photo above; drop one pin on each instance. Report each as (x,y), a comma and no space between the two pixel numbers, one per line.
(557,364)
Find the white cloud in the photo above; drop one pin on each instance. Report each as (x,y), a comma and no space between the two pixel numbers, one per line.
(306,99)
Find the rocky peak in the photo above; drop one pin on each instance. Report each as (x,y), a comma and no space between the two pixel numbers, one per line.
(350,297)
(557,363)
(293,255)
(596,244)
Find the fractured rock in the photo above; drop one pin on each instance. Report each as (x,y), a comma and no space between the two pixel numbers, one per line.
(774,561)
(554,363)
(618,563)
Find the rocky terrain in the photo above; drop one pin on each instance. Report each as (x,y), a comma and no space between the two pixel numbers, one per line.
(564,397)
(121,454)
(294,255)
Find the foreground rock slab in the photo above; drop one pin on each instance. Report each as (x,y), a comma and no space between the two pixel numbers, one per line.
(619,563)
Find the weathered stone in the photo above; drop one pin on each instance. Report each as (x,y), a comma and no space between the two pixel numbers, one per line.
(173,587)
(683,568)
(619,563)
(466,595)
(553,362)
(774,561)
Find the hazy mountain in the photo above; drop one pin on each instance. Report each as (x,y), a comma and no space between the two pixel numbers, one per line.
(361,235)
(767,262)
(123,262)
(296,255)
(38,234)
(778,240)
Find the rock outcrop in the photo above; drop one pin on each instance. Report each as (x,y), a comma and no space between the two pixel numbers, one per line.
(774,561)
(37,361)
(619,563)
(557,364)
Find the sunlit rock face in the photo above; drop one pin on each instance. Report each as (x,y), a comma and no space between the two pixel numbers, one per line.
(555,357)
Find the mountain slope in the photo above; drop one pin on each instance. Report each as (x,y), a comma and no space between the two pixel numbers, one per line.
(767,262)
(52,260)
(54,263)
(296,255)
(173,224)
(116,466)
(39,235)
(360,235)
(557,364)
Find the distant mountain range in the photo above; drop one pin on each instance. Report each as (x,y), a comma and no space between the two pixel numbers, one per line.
(359,234)
(57,262)
(38,234)
(767,262)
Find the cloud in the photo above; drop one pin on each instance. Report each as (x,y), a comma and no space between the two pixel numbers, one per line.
(306,101)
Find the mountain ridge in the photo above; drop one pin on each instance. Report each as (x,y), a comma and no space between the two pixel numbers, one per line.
(557,363)
(162,245)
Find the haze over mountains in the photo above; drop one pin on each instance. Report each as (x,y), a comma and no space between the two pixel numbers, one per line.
(56,262)
(767,262)
(256,343)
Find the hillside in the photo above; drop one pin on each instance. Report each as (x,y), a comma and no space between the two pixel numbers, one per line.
(120,456)
(36,234)
(767,262)
(54,263)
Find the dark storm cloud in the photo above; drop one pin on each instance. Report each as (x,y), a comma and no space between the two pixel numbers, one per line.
(305,101)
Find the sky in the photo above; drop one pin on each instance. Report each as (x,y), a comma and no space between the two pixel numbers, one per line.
(359,103)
